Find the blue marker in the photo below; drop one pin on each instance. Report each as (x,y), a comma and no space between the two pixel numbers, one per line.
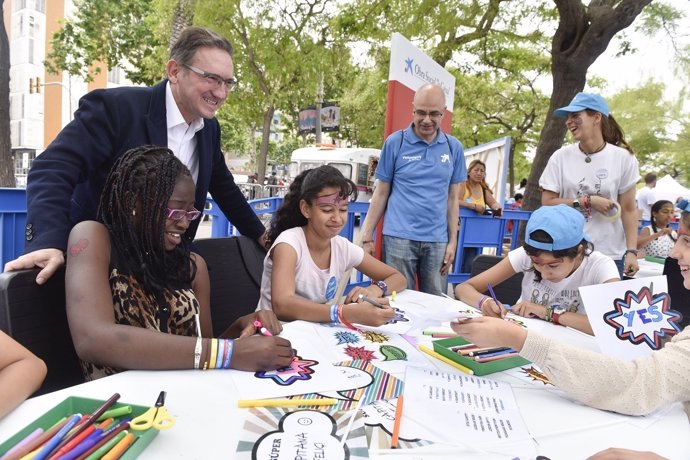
(55,440)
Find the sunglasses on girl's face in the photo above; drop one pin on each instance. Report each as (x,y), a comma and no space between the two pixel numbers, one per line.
(179,214)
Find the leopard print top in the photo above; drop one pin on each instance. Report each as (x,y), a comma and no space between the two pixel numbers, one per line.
(134,308)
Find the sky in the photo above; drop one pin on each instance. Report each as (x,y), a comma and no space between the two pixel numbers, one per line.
(653,59)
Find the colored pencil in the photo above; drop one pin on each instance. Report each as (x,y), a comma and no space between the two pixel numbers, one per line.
(105,447)
(396,423)
(448,361)
(371,301)
(286,402)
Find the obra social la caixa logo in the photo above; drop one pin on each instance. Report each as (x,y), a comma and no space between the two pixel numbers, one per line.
(408,65)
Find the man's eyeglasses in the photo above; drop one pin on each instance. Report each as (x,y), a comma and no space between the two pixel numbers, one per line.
(424,114)
(212,79)
(179,214)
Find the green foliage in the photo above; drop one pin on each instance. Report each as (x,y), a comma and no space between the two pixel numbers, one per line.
(648,122)
(109,32)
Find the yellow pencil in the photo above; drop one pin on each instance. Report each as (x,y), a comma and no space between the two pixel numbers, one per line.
(286,402)
(448,361)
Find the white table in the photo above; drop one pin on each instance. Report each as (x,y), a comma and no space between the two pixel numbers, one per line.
(208,425)
(648,269)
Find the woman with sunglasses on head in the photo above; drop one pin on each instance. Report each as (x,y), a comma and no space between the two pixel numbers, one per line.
(636,387)
(475,193)
(137,297)
(597,176)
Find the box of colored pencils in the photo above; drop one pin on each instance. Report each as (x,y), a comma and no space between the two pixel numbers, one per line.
(84,406)
(481,361)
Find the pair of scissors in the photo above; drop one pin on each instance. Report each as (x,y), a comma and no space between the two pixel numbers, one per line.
(156,417)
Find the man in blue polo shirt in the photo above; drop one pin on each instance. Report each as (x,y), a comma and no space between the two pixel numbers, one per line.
(419,172)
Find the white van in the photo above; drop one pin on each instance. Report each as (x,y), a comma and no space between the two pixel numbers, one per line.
(357,164)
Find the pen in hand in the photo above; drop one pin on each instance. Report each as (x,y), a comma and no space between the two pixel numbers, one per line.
(370,300)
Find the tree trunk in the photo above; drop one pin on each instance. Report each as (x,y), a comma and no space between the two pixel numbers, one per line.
(182,18)
(582,36)
(6,158)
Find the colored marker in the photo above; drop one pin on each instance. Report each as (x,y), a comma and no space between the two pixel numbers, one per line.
(286,402)
(59,436)
(119,448)
(33,435)
(259,325)
(396,423)
(480,359)
(107,446)
(114,413)
(370,300)
(36,443)
(448,361)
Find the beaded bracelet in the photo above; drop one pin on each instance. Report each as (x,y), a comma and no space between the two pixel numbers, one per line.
(197,352)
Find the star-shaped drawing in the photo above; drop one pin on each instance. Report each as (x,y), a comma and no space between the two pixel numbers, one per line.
(399,317)
(299,369)
(643,317)
(346,337)
(359,353)
(375,337)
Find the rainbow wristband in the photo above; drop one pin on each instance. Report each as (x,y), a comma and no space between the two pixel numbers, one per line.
(229,348)
(214,354)
(221,351)
(334,313)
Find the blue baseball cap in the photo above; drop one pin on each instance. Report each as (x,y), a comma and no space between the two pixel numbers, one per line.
(684,205)
(565,226)
(583,101)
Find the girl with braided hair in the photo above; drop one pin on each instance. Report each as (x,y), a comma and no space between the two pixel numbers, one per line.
(307,258)
(137,297)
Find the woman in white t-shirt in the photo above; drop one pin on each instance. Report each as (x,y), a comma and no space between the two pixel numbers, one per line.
(308,258)
(597,176)
(556,260)
(657,239)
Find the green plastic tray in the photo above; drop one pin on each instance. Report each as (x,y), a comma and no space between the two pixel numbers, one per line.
(76,405)
(443,347)
(657,260)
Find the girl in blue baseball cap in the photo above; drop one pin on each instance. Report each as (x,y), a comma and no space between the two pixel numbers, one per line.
(556,259)
(597,176)
(606,382)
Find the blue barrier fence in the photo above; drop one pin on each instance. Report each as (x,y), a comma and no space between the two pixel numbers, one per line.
(475,231)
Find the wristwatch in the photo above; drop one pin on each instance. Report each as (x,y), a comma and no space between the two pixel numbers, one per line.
(382,285)
(557,312)
(576,203)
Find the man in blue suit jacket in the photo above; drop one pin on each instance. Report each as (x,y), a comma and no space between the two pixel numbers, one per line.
(65,181)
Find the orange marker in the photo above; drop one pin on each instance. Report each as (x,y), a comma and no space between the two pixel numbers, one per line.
(119,448)
(396,424)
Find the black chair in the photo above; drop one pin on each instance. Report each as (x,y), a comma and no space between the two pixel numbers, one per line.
(35,317)
(235,265)
(680,297)
(508,291)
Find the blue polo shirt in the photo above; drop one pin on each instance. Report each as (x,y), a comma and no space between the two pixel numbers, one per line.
(419,174)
